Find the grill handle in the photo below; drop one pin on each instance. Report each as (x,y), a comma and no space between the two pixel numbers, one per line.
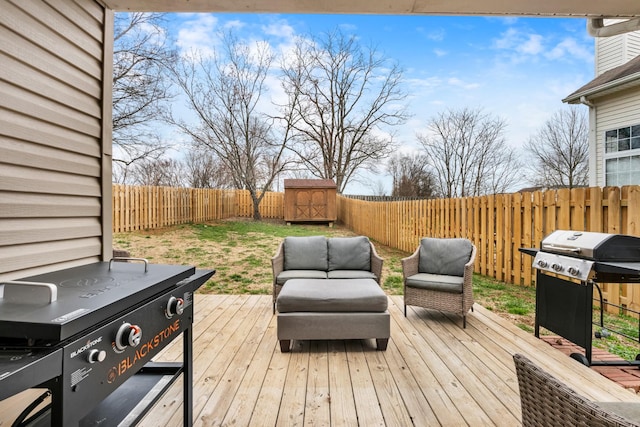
(561,248)
(124,259)
(28,292)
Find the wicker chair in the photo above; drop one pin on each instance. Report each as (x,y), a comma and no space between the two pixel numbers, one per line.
(545,401)
(438,275)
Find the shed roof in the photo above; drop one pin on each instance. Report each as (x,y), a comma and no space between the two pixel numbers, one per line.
(309,183)
(616,79)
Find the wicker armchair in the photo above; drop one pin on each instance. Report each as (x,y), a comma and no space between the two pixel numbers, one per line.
(545,401)
(438,275)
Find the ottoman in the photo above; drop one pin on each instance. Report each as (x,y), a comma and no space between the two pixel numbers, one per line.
(328,309)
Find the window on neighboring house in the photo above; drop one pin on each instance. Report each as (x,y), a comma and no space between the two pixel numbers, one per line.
(622,156)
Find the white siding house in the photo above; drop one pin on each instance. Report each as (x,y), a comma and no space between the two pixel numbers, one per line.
(613,99)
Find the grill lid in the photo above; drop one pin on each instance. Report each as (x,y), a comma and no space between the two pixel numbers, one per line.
(593,246)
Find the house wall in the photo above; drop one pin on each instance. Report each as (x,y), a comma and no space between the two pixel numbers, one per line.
(55,143)
(614,51)
(614,111)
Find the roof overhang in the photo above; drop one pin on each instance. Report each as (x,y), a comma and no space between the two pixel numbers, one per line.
(628,82)
(560,8)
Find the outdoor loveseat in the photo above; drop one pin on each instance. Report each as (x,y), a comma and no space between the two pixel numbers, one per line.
(329,288)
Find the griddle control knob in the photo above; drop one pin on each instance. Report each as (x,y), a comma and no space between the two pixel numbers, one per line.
(128,335)
(557,267)
(96,355)
(174,306)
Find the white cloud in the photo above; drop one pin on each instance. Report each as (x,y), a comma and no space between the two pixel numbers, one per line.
(521,45)
(198,35)
(440,52)
(454,81)
(280,28)
(433,34)
(569,48)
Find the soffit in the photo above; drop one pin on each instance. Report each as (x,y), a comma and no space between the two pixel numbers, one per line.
(575,8)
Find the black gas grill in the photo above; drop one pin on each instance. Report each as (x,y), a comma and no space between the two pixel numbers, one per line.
(570,264)
(88,334)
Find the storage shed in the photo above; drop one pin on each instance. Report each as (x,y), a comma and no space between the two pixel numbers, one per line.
(310,200)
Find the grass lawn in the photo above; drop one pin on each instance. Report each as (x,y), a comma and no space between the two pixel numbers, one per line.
(241,251)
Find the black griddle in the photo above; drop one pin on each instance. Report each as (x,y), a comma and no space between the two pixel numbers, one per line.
(87,296)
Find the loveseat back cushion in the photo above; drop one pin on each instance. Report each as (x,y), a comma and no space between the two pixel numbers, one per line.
(444,256)
(349,253)
(305,253)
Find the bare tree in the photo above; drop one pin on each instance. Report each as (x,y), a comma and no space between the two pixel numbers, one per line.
(204,170)
(411,176)
(560,150)
(340,97)
(224,93)
(469,153)
(140,88)
(164,172)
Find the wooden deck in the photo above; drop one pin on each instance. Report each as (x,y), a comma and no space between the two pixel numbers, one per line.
(433,372)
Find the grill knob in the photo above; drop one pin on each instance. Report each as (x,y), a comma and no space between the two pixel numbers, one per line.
(96,356)
(557,267)
(573,271)
(128,335)
(174,306)
(542,263)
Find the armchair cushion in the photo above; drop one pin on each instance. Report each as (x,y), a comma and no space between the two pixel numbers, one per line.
(444,256)
(436,282)
(349,253)
(305,253)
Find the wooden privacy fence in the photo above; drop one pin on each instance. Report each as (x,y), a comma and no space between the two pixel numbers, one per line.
(500,224)
(141,208)
(497,224)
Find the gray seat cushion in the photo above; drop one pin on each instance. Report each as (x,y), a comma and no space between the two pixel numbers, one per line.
(351,274)
(315,295)
(300,274)
(436,282)
(305,253)
(349,253)
(444,256)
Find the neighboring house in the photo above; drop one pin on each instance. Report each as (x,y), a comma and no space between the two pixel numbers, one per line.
(613,98)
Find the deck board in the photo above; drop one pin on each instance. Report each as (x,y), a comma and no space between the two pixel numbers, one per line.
(432,373)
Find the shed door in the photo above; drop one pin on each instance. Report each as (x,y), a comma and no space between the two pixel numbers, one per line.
(311,204)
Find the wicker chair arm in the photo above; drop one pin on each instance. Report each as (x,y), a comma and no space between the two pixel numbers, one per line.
(376,263)
(277,262)
(410,264)
(468,270)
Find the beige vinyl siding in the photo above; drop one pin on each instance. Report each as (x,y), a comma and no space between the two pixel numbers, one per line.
(615,111)
(52,133)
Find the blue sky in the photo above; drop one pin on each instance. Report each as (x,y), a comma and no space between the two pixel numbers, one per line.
(518,69)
